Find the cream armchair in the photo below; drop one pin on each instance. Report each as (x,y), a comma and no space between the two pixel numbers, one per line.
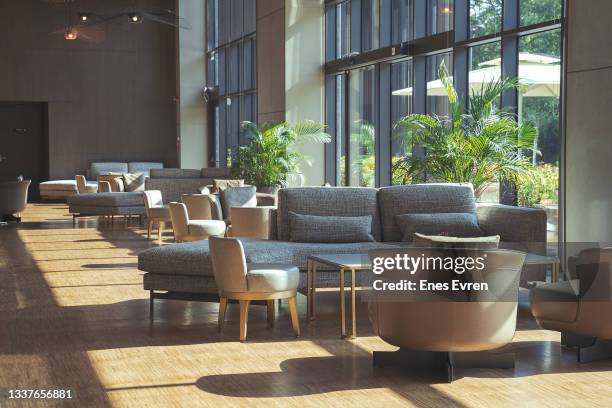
(156,212)
(186,229)
(199,206)
(242,281)
(250,222)
(83,187)
(13,198)
(435,332)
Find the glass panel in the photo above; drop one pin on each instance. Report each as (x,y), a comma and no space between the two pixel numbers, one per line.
(401,21)
(484,67)
(536,11)
(539,103)
(485,17)
(437,100)
(370,20)
(340,130)
(362,119)
(342,29)
(401,105)
(212,23)
(439,16)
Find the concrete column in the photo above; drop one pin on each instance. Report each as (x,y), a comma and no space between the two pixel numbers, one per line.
(304,76)
(191,77)
(588,189)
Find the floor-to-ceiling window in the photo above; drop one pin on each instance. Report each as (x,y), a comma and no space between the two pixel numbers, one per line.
(383,59)
(231,72)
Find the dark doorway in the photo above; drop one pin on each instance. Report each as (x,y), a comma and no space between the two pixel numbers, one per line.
(24,143)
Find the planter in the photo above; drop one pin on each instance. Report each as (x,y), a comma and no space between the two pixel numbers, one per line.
(272,190)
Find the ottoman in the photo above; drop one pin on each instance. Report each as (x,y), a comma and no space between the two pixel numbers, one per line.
(57,189)
(124,203)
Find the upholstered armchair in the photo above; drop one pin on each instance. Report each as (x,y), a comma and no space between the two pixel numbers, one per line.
(13,198)
(83,187)
(199,206)
(186,229)
(245,282)
(250,222)
(580,308)
(434,332)
(156,212)
(104,187)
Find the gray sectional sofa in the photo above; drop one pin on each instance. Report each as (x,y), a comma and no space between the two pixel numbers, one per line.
(184,269)
(174,182)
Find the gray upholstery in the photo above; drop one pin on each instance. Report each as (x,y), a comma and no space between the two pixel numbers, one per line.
(144,167)
(174,173)
(193,258)
(215,172)
(173,188)
(265,277)
(179,283)
(124,199)
(237,197)
(315,228)
(421,198)
(101,168)
(337,201)
(451,224)
(106,210)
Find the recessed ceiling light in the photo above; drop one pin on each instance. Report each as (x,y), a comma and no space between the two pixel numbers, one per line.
(134,18)
(70,34)
(83,16)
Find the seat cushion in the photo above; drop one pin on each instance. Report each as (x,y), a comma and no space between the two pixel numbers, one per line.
(270,277)
(58,185)
(206,227)
(237,197)
(160,212)
(193,258)
(451,224)
(555,301)
(122,199)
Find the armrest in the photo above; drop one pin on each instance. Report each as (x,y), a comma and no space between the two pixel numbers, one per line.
(273,227)
(266,200)
(513,224)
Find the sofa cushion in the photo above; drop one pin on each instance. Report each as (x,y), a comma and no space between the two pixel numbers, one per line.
(193,258)
(172,189)
(101,168)
(216,172)
(58,185)
(326,201)
(437,241)
(325,229)
(222,184)
(174,173)
(107,199)
(237,197)
(144,167)
(421,198)
(451,224)
(134,181)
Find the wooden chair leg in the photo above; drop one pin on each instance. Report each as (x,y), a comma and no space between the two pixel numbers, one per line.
(244,317)
(149,228)
(222,309)
(294,315)
(271,307)
(159,231)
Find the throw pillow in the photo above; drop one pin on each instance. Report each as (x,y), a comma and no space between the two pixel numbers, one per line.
(451,224)
(237,197)
(441,241)
(134,181)
(222,184)
(330,229)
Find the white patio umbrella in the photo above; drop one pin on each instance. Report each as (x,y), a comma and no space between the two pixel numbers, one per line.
(539,76)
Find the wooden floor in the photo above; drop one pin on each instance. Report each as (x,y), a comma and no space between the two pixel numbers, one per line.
(73,314)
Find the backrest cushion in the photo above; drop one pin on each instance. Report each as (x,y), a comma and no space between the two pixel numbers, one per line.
(175,173)
(215,172)
(330,229)
(134,181)
(222,184)
(421,198)
(335,201)
(237,197)
(101,168)
(144,167)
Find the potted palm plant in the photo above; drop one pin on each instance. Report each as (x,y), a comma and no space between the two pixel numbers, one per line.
(272,152)
(481,146)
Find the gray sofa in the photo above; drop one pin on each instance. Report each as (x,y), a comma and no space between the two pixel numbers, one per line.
(187,268)
(174,182)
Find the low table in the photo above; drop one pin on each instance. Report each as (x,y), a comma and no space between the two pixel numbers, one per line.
(357,262)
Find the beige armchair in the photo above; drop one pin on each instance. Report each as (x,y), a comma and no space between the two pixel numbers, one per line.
(83,187)
(156,212)
(199,206)
(250,222)
(104,187)
(13,198)
(580,308)
(186,229)
(242,281)
(434,332)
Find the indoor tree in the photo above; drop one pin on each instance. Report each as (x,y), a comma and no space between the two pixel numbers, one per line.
(272,150)
(480,146)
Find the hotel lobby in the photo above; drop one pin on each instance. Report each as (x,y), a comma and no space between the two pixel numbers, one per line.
(305,203)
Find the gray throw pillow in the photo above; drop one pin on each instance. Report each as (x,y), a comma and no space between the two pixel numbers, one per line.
(134,181)
(330,229)
(237,197)
(451,224)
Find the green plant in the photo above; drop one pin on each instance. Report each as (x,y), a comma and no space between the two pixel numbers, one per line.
(540,189)
(272,151)
(481,146)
